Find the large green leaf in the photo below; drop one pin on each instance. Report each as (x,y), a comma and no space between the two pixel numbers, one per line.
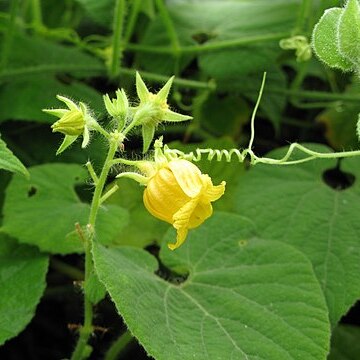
(345,343)
(43,210)
(293,204)
(8,161)
(22,283)
(244,298)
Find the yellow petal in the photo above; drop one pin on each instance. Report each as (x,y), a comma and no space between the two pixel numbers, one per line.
(211,192)
(180,238)
(200,214)
(163,196)
(188,176)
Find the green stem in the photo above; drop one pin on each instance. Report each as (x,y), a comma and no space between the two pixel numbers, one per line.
(180,82)
(8,37)
(101,183)
(117,37)
(66,269)
(170,29)
(130,26)
(87,328)
(316,95)
(118,346)
(303,17)
(37,19)
(210,46)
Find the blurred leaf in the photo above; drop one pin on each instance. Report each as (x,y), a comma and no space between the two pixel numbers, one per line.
(32,55)
(294,205)
(345,343)
(272,102)
(223,115)
(340,122)
(8,161)
(212,21)
(25,99)
(43,211)
(243,296)
(100,11)
(22,283)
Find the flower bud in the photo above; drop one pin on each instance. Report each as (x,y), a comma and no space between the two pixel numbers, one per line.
(153,109)
(71,123)
(118,107)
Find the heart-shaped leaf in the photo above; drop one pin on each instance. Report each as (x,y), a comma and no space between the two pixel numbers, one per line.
(244,297)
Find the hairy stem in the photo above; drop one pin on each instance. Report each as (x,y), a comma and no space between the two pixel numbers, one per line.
(87,328)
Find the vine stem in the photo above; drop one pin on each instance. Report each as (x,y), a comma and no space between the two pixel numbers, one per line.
(303,16)
(118,346)
(87,328)
(210,46)
(9,34)
(37,20)
(119,17)
(170,29)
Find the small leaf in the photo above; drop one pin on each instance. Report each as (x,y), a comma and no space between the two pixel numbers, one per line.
(349,32)
(148,131)
(9,162)
(242,296)
(325,40)
(44,210)
(68,141)
(22,283)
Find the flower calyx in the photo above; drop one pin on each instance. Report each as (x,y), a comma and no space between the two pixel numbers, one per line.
(73,122)
(153,109)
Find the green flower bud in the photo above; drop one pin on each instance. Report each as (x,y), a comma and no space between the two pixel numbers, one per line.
(301,46)
(71,123)
(117,108)
(153,109)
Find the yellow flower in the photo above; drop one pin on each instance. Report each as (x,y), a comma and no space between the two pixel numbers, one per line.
(181,195)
